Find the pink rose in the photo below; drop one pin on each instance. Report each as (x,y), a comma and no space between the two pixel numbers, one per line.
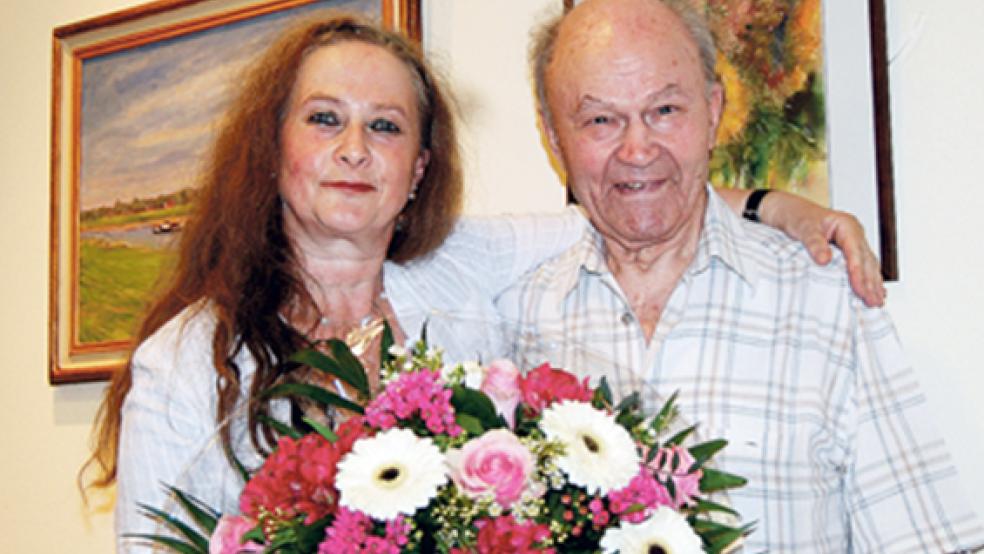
(228,534)
(686,485)
(495,463)
(501,384)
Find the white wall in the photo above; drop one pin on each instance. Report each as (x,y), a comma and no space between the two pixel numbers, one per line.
(936,78)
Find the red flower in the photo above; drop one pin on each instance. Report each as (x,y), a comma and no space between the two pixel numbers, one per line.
(545,385)
(505,534)
(299,477)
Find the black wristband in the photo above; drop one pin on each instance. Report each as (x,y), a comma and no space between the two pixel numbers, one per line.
(751,211)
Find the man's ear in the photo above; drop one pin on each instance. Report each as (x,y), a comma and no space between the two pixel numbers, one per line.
(552,140)
(715,108)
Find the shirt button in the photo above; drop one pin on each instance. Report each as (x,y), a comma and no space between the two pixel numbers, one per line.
(627,318)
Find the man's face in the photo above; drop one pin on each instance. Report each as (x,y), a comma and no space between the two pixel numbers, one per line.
(633,121)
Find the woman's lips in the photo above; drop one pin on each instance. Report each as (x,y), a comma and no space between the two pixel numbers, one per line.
(349,186)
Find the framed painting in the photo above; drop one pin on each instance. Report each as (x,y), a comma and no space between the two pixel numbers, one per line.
(807,105)
(136,96)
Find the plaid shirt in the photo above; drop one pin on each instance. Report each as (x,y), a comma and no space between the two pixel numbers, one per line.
(823,415)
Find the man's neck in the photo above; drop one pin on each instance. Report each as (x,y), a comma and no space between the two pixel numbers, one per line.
(649,273)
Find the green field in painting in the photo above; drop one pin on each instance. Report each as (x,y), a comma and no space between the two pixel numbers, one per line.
(174,212)
(115,283)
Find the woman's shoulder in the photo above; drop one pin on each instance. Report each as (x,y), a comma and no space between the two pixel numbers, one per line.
(181,349)
(191,328)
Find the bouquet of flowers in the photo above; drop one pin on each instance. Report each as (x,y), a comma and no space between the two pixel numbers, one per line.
(470,459)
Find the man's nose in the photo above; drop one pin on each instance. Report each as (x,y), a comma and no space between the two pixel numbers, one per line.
(639,145)
(351,149)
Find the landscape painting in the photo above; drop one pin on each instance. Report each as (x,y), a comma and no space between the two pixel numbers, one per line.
(145,114)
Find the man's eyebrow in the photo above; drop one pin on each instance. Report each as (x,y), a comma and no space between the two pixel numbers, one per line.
(590,101)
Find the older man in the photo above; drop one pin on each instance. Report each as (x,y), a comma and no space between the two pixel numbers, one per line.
(669,291)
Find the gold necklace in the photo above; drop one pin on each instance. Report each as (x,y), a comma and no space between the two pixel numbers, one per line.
(370,326)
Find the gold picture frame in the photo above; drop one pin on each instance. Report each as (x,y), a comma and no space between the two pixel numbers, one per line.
(91,207)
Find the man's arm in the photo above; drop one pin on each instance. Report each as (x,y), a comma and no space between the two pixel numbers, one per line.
(816,227)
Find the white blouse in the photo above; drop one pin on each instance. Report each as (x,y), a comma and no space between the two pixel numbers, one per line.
(169,434)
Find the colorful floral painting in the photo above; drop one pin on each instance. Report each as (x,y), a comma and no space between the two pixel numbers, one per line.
(770,59)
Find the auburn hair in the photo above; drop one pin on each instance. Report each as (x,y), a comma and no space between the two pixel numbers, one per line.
(235,257)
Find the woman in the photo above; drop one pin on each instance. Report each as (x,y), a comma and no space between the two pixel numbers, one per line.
(329,204)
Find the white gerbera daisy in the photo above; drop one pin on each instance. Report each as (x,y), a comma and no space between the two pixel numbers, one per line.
(393,473)
(665,531)
(600,455)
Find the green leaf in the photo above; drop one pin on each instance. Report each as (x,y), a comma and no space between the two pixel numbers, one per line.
(469,423)
(279,541)
(313,392)
(181,527)
(204,516)
(476,404)
(665,415)
(170,542)
(716,480)
(342,364)
(255,534)
(628,403)
(705,451)
(321,429)
(629,411)
(706,506)
(309,536)
(602,394)
(281,428)
(350,365)
(385,343)
(681,436)
(717,536)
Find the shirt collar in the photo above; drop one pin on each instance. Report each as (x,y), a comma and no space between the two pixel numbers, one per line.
(586,257)
(720,239)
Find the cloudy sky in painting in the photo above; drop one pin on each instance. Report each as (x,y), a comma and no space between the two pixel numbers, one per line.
(148,113)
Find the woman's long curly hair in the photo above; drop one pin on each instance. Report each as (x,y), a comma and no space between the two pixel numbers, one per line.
(235,254)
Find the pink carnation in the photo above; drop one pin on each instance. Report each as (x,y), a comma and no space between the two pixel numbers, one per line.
(352,531)
(228,536)
(501,384)
(673,464)
(415,394)
(495,463)
(636,501)
(299,476)
(545,385)
(505,534)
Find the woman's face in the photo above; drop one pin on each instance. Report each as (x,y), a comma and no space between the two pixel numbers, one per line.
(350,143)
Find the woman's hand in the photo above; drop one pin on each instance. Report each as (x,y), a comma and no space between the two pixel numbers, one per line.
(816,227)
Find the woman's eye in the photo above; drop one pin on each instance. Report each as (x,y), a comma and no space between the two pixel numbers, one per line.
(384,126)
(599,120)
(666,110)
(323,118)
